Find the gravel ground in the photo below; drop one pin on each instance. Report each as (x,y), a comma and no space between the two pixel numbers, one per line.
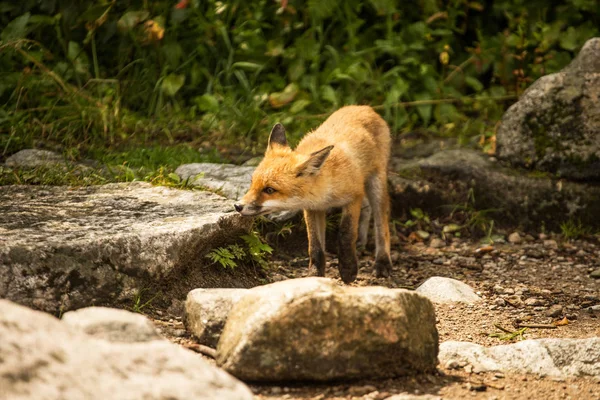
(541,280)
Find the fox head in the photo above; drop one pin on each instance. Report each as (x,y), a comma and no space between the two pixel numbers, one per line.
(284,178)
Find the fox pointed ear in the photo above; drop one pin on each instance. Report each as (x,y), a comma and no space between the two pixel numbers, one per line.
(277,136)
(315,161)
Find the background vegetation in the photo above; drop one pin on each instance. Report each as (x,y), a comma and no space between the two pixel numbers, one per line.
(89,77)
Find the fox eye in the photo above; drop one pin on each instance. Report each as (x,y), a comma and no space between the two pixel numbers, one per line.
(269,190)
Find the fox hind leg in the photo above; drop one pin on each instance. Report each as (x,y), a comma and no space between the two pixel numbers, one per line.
(348,262)
(364,223)
(315,227)
(380,203)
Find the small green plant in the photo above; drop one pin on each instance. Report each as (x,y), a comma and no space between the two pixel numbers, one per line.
(475,219)
(228,256)
(285,229)
(255,251)
(572,229)
(138,303)
(420,219)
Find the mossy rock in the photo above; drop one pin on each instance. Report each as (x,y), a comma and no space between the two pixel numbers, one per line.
(555,126)
(519,198)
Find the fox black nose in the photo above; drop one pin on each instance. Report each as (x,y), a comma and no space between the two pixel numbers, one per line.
(238,207)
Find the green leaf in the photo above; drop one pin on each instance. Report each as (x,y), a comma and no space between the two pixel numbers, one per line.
(384,7)
(171,84)
(299,105)
(174,177)
(16,29)
(296,70)
(446,112)
(130,19)
(322,8)
(450,228)
(569,39)
(247,65)
(398,89)
(78,57)
(207,103)
(329,94)
(280,99)
(474,83)
(424,110)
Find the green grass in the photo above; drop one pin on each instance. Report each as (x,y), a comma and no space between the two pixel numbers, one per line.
(572,229)
(155,164)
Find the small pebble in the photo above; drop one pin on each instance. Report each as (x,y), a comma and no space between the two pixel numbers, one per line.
(179,332)
(550,244)
(595,274)
(514,238)
(477,387)
(498,289)
(555,311)
(437,243)
(361,390)
(533,302)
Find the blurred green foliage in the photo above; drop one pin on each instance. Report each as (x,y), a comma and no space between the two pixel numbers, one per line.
(82,73)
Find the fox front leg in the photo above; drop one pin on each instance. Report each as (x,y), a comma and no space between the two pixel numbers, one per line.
(315,228)
(348,262)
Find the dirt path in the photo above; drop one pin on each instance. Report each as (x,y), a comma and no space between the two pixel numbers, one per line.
(538,281)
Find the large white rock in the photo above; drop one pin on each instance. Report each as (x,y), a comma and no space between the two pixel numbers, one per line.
(112,324)
(42,358)
(67,248)
(551,357)
(447,290)
(206,312)
(314,329)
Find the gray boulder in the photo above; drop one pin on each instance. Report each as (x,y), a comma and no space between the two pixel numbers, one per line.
(547,357)
(448,178)
(313,329)
(206,312)
(232,181)
(555,125)
(447,290)
(67,248)
(111,324)
(43,358)
(32,158)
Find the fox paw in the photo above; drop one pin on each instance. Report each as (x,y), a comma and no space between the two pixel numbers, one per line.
(348,274)
(383,268)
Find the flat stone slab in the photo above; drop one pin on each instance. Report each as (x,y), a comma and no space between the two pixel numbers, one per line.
(206,311)
(66,248)
(43,358)
(111,324)
(447,290)
(546,357)
(313,329)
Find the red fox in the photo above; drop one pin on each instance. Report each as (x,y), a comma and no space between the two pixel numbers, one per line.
(340,164)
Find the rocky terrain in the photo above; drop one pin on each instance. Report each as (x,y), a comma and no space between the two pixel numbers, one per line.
(486,300)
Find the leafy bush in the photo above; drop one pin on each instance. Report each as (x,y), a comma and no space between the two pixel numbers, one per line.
(82,72)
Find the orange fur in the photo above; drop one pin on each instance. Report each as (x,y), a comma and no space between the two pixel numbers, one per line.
(339,164)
